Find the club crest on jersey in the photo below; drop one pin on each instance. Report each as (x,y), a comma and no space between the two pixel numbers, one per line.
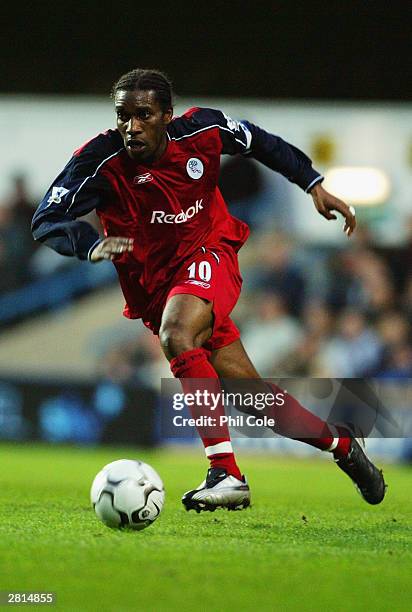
(143,178)
(194,168)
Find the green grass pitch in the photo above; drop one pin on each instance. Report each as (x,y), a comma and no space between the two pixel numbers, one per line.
(308,543)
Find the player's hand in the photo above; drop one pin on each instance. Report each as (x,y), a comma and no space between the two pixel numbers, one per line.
(111,247)
(325,202)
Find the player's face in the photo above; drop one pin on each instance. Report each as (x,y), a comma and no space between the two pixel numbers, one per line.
(142,123)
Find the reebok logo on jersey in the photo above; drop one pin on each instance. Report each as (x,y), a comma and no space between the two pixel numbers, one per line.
(143,178)
(194,168)
(199,283)
(159,216)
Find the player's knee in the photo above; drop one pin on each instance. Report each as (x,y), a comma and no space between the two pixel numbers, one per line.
(175,339)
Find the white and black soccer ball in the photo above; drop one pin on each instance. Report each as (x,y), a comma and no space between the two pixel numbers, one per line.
(127,492)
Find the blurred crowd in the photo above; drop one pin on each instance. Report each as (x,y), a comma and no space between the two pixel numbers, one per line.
(326,313)
(17,247)
(23,260)
(304,310)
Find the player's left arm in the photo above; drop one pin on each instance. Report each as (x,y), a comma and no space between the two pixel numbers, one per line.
(296,166)
(248,139)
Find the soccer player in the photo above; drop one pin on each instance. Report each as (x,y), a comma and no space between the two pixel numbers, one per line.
(153,183)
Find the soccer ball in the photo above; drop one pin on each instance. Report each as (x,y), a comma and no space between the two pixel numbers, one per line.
(127,493)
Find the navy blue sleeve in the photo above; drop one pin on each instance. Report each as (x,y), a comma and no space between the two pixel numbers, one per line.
(279,155)
(79,189)
(248,139)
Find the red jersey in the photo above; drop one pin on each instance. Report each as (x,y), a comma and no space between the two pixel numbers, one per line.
(171,207)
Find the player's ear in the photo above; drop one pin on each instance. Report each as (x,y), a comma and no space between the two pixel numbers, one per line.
(167,116)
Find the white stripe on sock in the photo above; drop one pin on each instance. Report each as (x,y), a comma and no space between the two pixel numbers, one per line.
(217,449)
(333,445)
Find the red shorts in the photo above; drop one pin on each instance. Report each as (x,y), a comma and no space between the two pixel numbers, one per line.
(211,274)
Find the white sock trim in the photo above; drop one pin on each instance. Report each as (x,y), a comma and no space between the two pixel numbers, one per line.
(333,445)
(221,447)
(335,442)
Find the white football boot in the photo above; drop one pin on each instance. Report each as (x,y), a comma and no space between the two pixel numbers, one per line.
(219,490)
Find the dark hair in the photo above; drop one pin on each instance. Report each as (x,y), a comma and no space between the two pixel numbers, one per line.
(141,78)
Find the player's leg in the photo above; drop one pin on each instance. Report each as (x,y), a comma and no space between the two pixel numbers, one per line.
(186,324)
(232,361)
(292,419)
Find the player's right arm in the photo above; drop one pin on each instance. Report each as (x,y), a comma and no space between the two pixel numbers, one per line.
(80,188)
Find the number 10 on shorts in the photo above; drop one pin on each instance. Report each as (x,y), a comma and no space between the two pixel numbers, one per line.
(201,270)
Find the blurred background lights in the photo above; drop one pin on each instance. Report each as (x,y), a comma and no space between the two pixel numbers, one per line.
(323,149)
(358,185)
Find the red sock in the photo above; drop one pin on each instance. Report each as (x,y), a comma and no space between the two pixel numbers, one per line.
(293,420)
(342,443)
(194,364)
